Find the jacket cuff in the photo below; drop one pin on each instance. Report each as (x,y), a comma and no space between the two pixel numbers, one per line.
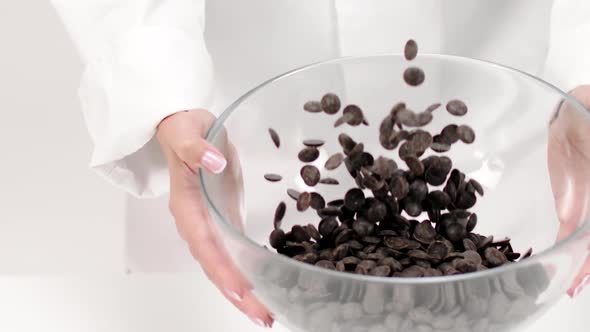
(128,89)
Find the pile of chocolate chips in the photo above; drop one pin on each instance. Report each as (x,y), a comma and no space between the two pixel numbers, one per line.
(377,235)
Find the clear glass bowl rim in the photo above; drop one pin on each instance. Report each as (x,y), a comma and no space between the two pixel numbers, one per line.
(537,258)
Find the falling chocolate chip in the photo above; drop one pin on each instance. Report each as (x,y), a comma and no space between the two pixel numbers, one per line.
(415,165)
(313,232)
(354,199)
(334,161)
(273,177)
(329,181)
(346,142)
(432,107)
(477,186)
(279,214)
(277,239)
(308,154)
(313,106)
(304,201)
(317,201)
(275,137)
(457,107)
(313,143)
(414,76)
(310,175)
(354,115)
(410,50)
(294,194)
(330,103)
(466,134)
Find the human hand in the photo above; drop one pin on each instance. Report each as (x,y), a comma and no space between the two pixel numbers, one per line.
(569,168)
(181,138)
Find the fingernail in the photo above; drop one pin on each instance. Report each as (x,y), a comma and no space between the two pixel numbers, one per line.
(233,295)
(581,286)
(259,322)
(213,162)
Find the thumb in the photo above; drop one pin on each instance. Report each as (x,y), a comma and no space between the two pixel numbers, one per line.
(198,153)
(181,133)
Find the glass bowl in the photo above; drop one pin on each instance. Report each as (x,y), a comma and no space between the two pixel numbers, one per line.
(512,114)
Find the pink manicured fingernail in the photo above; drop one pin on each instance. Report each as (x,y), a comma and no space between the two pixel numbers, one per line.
(233,295)
(581,287)
(213,162)
(259,322)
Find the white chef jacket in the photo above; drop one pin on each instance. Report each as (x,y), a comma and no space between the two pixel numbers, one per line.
(146,59)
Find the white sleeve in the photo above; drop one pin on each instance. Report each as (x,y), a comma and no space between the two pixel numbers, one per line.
(568,59)
(144,60)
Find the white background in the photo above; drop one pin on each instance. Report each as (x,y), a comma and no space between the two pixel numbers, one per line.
(61,226)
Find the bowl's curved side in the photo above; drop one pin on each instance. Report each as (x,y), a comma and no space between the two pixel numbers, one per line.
(312,298)
(218,126)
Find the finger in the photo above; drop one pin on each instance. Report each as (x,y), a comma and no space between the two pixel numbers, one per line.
(204,244)
(568,151)
(576,201)
(226,277)
(573,207)
(582,280)
(251,304)
(557,170)
(219,267)
(197,152)
(183,134)
(569,158)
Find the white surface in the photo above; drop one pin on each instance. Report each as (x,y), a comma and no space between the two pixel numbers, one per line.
(57,217)
(117,304)
(174,302)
